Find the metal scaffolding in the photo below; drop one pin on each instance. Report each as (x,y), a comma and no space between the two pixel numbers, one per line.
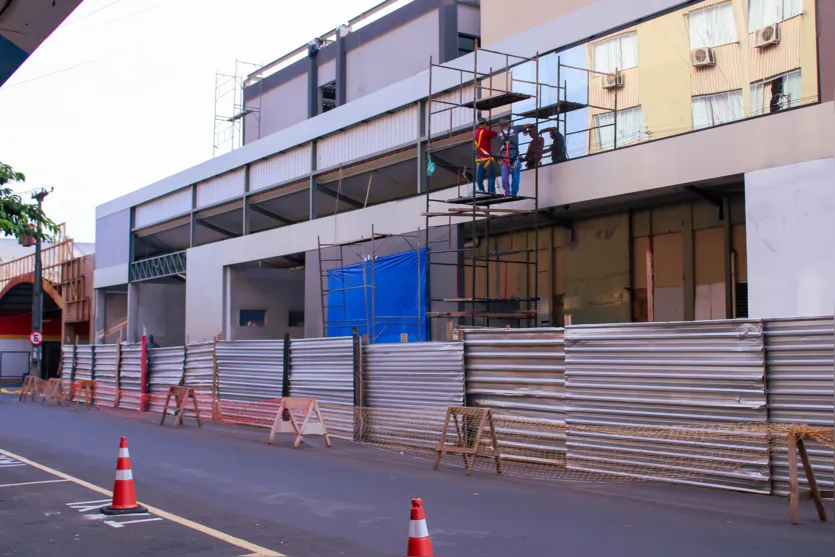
(335,285)
(481,208)
(231,108)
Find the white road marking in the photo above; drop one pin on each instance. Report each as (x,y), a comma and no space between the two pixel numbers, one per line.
(88,502)
(257,551)
(34,483)
(86,507)
(122,524)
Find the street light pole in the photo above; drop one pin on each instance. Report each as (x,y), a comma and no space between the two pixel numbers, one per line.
(36,369)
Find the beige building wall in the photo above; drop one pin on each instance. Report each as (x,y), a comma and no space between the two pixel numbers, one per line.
(501,19)
(664,82)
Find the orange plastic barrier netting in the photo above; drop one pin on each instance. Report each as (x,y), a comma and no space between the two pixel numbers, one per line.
(729,454)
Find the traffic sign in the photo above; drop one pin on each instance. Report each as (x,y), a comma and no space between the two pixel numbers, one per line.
(36,338)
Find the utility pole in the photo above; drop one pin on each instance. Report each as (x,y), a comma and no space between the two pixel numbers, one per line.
(36,369)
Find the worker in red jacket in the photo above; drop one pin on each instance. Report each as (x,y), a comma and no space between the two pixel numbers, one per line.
(484,159)
(536,147)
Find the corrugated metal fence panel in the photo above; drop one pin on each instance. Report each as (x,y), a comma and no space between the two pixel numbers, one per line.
(323,368)
(84,361)
(427,377)
(280,168)
(167,367)
(163,208)
(668,375)
(800,368)
(129,376)
(250,377)
(104,368)
(200,370)
(378,135)
(520,372)
(221,188)
(67,358)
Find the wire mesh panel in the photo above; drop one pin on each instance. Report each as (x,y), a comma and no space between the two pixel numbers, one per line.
(130,374)
(200,363)
(641,398)
(520,373)
(104,370)
(250,376)
(405,377)
(166,368)
(323,368)
(800,368)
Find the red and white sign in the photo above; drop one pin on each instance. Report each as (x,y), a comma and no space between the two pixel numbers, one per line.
(36,338)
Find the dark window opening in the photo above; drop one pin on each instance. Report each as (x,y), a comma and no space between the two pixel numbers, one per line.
(778,98)
(466,43)
(327,97)
(253,318)
(296,319)
(742,300)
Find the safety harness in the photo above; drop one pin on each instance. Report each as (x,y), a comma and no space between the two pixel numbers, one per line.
(483,157)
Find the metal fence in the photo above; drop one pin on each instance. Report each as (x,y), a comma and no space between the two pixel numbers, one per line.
(407,377)
(560,385)
(799,359)
(520,372)
(166,367)
(105,369)
(249,371)
(667,375)
(200,373)
(130,374)
(323,368)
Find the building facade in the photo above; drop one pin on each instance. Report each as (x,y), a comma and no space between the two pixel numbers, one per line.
(698,182)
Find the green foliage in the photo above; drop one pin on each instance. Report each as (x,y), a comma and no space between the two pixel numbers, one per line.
(18,217)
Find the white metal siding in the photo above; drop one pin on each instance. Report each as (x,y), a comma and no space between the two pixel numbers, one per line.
(380,134)
(280,168)
(447,119)
(163,208)
(224,187)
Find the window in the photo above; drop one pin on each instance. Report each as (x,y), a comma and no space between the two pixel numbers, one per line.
(617,53)
(762,13)
(466,43)
(327,97)
(296,319)
(713,110)
(776,94)
(630,127)
(712,27)
(252,318)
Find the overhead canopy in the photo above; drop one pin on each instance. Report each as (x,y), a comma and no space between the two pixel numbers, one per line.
(24,25)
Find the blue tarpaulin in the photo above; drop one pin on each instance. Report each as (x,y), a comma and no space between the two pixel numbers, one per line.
(398,297)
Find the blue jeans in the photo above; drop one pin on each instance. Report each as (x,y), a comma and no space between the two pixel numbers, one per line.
(511,176)
(491,176)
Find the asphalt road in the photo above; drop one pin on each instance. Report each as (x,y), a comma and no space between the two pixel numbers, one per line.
(347,500)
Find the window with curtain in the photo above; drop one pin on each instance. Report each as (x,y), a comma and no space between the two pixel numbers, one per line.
(713,110)
(776,94)
(712,27)
(630,128)
(766,12)
(617,53)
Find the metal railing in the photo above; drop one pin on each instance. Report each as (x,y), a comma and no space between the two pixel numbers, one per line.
(169,265)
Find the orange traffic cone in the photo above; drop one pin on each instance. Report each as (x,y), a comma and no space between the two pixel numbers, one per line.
(419,543)
(124,494)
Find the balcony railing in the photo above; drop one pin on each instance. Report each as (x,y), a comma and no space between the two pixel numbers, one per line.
(169,265)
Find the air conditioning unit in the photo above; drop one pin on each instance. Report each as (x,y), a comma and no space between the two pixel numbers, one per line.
(613,81)
(768,36)
(701,57)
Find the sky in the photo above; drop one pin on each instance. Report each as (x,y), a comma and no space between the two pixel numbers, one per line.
(122,94)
